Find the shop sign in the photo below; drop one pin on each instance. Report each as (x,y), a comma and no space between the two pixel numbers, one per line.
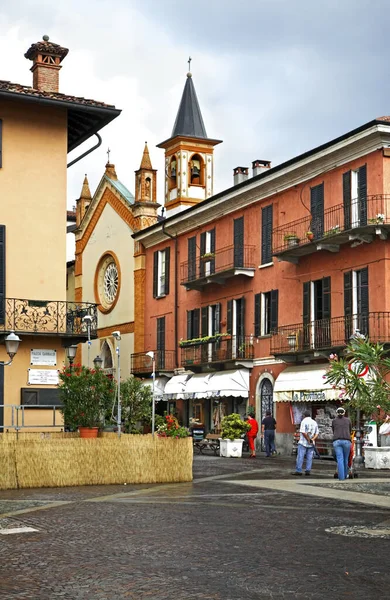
(309,397)
(43,377)
(43,357)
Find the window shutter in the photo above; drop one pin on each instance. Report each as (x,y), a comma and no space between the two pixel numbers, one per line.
(348,304)
(229,317)
(167,269)
(326,298)
(161,333)
(362,195)
(239,242)
(217,324)
(196,323)
(317,210)
(155,274)
(2,274)
(257,315)
(347,199)
(266,234)
(1,143)
(191,258)
(274,310)
(203,243)
(205,321)
(241,319)
(212,249)
(363,316)
(306,313)
(189,325)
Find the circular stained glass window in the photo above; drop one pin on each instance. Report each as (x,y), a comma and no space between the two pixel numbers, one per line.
(111,280)
(107,282)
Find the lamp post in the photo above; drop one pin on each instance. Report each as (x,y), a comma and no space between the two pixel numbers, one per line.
(12,342)
(117,336)
(88,321)
(71,352)
(151,355)
(98,361)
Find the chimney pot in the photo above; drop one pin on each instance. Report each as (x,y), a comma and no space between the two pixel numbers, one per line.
(46,57)
(240,174)
(259,166)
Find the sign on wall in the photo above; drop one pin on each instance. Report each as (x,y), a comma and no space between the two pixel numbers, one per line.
(43,357)
(43,377)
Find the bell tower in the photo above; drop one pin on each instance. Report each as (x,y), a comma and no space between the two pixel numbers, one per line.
(189,155)
(145,206)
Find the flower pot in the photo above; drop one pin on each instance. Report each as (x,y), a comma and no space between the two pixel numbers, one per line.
(310,236)
(291,242)
(89,432)
(230,448)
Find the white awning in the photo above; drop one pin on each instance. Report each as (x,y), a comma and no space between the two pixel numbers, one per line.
(230,383)
(175,387)
(158,386)
(304,383)
(198,386)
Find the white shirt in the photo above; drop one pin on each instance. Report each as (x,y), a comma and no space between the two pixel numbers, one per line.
(309,426)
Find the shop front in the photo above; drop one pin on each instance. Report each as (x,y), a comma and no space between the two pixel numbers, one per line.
(296,390)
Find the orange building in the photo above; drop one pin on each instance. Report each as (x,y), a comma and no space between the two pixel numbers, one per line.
(38,127)
(248,291)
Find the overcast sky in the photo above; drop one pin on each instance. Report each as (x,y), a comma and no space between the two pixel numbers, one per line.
(274,78)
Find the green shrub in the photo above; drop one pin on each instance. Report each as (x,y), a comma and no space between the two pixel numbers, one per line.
(232,427)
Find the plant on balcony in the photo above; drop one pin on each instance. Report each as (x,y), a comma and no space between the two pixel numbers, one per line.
(332,231)
(86,395)
(232,427)
(378,220)
(207,256)
(310,235)
(207,339)
(246,350)
(369,394)
(291,239)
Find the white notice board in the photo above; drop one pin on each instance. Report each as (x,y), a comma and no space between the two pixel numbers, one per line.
(43,377)
(43,357)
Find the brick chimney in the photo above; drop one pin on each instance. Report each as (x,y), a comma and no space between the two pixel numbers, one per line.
(46,58)
(240,174)
(259,166)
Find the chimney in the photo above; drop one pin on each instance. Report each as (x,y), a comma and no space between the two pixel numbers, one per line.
(240,174)
(259,166)
(46,58)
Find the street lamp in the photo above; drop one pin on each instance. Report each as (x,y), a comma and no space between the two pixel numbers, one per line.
(117,336)
(151,355)
(12,342)
(358,459)
(98,361)
(71,352)
(88,321)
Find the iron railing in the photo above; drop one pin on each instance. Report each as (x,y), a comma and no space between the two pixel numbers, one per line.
(375,211)
(224,348)
(48,317)
(142,364)
(17,420)
(213,263)
(325,334)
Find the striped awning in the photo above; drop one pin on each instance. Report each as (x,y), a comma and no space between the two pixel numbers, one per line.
(304,383)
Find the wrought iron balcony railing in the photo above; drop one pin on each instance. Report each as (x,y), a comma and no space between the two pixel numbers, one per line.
(141,364)
(368,215)
(223,349)
(216,267)
(325,334)
(48,317)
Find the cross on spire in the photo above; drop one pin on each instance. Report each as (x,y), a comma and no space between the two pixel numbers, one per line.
(189,63)
(108,155)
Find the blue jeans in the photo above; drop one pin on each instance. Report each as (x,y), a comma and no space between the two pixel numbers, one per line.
(269,441)
(342,449)
(303,453)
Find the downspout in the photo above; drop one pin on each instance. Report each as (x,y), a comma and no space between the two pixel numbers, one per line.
(87,152)
(174,237)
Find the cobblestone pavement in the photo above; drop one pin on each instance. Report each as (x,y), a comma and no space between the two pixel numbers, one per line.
(221,537)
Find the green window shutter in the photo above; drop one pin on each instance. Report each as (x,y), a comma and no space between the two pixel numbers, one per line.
(2,274)
(347,199)
(257,315)
(167,269)
(155,274)
(266,234)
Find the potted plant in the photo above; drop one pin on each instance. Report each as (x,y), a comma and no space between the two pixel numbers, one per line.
(292,239)
(208,256)
(378,220)
(86,395)
(246,350)
(310,235)
(232,428)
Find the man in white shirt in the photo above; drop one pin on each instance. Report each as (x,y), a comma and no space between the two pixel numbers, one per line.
(308,434)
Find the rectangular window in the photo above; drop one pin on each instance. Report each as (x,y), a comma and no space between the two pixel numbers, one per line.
(193,317)
(266,312)
(356,304)
(317,313)
(1,143)
(355,198)
(266,234)
(161,273)
(207,253)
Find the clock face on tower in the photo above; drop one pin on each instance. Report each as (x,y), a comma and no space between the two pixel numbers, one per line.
(107,282)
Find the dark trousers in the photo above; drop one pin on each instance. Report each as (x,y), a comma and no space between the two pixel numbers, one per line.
(269,441)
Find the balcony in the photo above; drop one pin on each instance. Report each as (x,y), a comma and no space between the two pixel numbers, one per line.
(142,364)
(217,267)
(329,334)
(361,223)
(225,348)
(49,317)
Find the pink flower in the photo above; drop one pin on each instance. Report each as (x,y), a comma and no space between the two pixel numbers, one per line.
(378,406)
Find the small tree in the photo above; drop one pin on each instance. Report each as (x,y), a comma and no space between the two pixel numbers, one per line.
(136,404)
(370,393)
(232,427)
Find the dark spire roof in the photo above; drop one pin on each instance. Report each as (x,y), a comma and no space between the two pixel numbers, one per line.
(189,120)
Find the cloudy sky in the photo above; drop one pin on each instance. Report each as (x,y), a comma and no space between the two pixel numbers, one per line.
(274,77)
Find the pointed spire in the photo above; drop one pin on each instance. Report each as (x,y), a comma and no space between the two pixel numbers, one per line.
(146,163)
(85,191)
(189,121)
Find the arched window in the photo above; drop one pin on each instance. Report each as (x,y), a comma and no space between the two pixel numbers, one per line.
(106,355)
(196,170)
(173,172)
(148,188)
(266,397)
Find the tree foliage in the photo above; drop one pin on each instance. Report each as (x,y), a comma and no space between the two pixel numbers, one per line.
(136,401)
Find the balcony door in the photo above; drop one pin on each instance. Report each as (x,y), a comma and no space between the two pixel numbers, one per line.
(236,324)
(317,210)
(207,253)
(316,314)
(160,362)
(356,309)
(210,322)
(355,198)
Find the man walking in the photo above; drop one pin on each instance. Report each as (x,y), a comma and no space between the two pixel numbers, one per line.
(268,426)
(342,428)
(252,434)
(308,434)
